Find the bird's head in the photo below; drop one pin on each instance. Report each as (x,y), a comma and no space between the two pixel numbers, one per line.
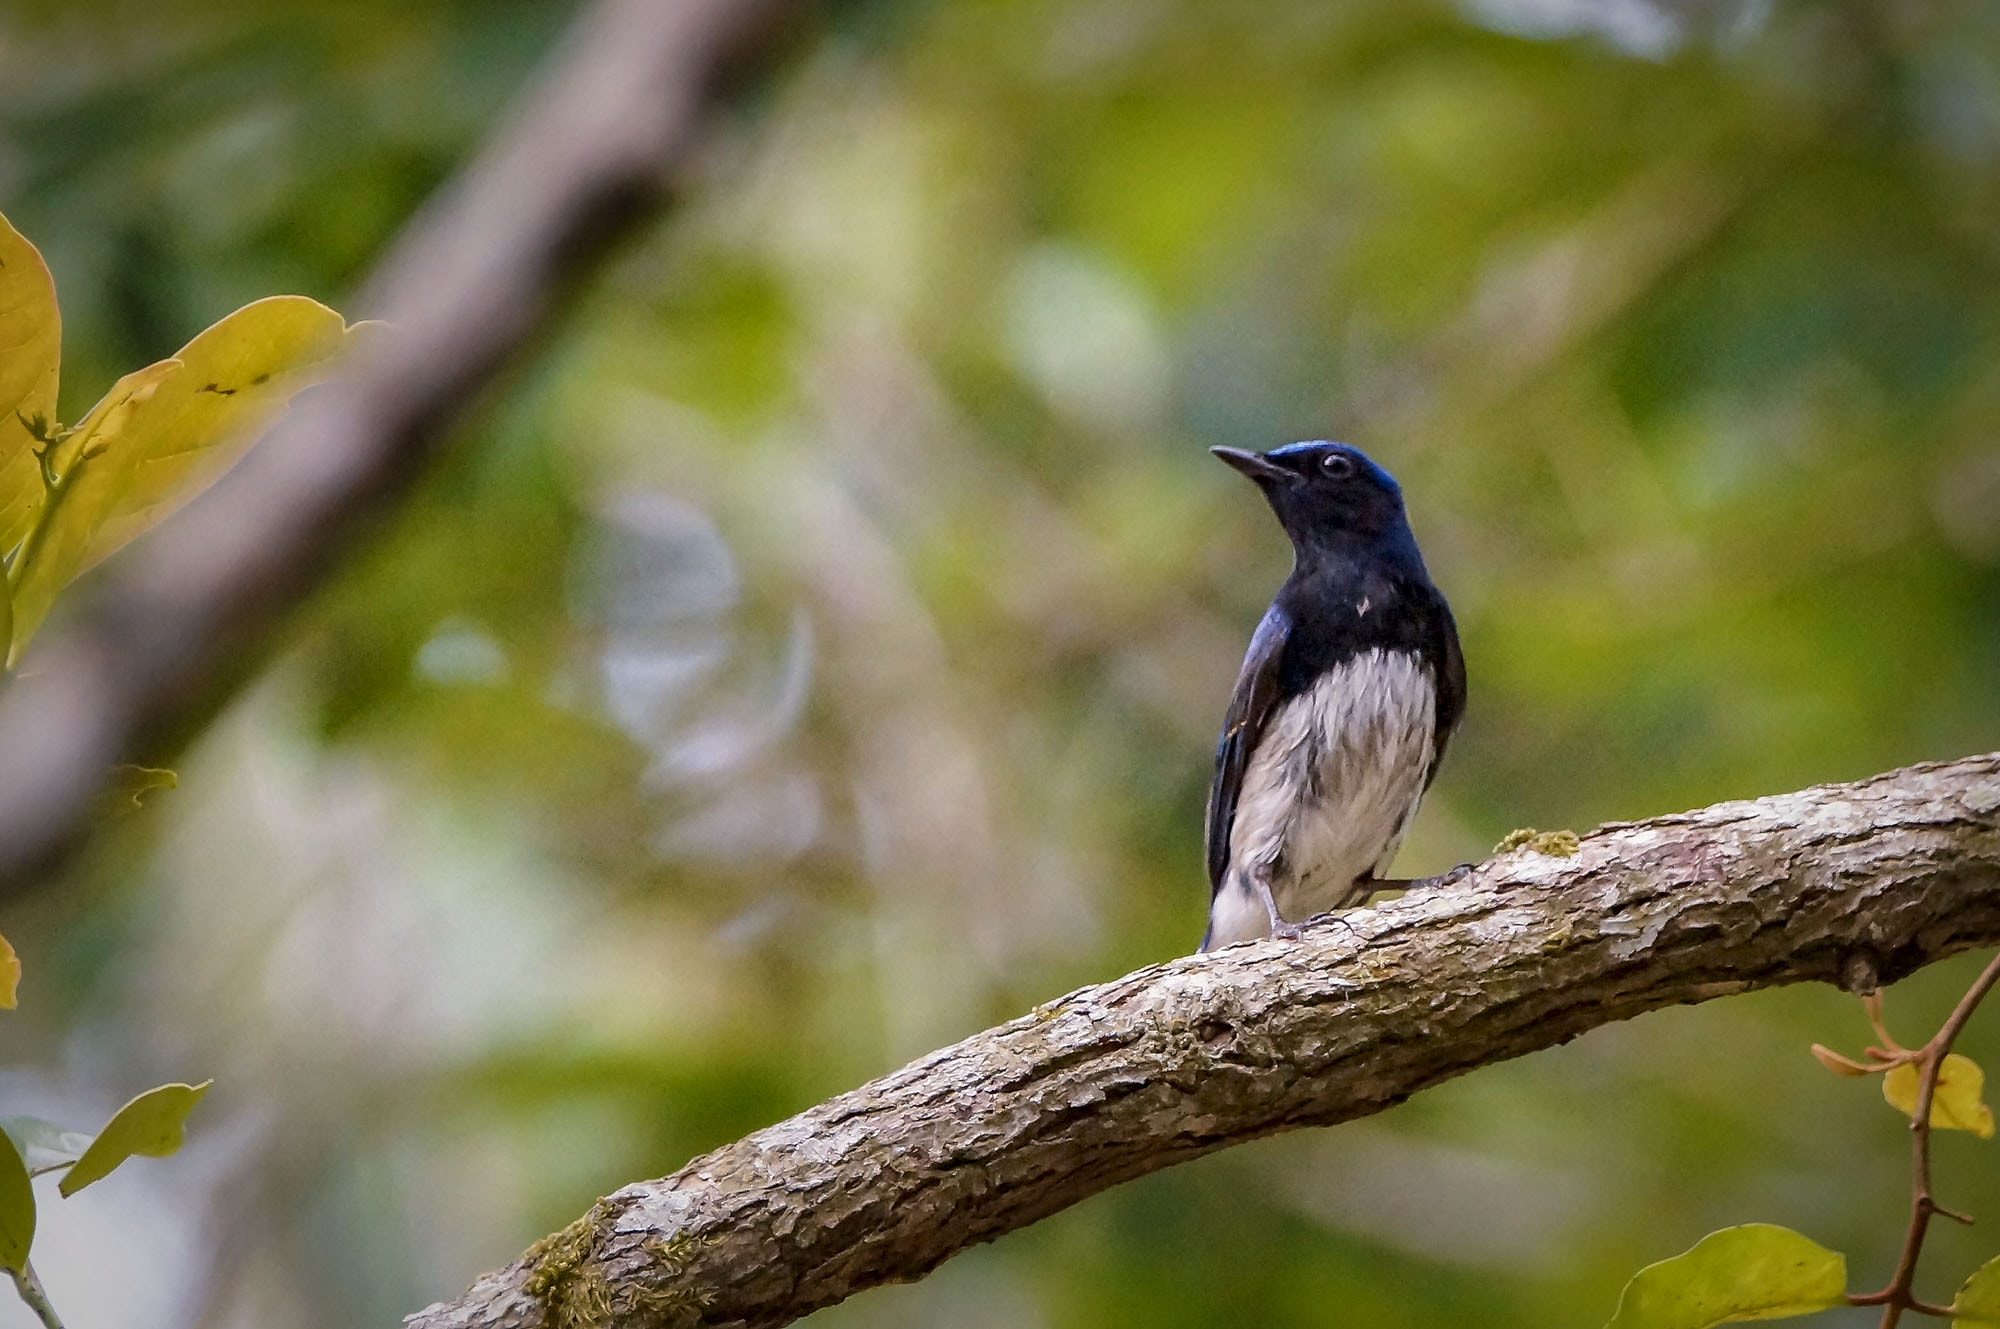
(1324,493)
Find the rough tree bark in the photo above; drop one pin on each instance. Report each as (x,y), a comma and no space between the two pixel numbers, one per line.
(1854,884)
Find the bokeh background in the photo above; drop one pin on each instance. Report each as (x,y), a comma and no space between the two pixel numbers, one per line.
(812,654)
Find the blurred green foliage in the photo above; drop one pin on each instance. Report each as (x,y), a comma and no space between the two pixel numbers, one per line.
(813,653)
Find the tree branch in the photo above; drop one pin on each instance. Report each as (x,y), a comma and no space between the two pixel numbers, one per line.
(1178,1060)
(472,278)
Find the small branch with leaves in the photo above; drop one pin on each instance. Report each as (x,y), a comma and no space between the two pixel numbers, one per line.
(1762,1272)
(1937,1087)
(617,117)
(70,497)
(151,1124)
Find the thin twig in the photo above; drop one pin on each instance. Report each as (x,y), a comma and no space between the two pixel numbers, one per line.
(1871,1002)
(1897,1297)
(30,1288)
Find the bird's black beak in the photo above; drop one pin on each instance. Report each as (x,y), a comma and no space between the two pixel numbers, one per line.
(1254,465)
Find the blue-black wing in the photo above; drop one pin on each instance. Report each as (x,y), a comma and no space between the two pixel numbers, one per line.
(1250,708)
(1449,665)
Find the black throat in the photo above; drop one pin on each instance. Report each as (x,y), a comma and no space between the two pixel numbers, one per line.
(1345,598)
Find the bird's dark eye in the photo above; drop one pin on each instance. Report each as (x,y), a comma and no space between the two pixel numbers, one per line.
(1336,465)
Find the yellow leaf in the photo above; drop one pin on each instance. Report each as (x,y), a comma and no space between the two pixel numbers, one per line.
(30,345)
(10,976)
(1956,1105)
(164,433)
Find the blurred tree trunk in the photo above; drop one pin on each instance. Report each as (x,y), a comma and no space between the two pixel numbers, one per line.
(590,150)
(1855,884)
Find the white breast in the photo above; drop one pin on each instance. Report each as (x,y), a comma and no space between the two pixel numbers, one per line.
(1334,782)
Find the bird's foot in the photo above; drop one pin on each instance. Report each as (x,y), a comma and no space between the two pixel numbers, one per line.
(1329,916)
(1284,931)
(1448,878)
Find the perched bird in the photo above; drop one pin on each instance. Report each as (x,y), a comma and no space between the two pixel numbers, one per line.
(1352,686)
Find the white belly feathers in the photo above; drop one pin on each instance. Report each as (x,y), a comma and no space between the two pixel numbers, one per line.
(1331,788)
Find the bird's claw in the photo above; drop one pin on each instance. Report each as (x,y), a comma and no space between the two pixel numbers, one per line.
(1329,916)
(1449,878)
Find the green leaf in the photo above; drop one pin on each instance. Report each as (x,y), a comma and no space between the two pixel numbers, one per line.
(1977,1305)
(1957,1104)
(44,1145)
(164,433)
(17,1210)
(150,1124)
(1755,1272)
(30,346)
